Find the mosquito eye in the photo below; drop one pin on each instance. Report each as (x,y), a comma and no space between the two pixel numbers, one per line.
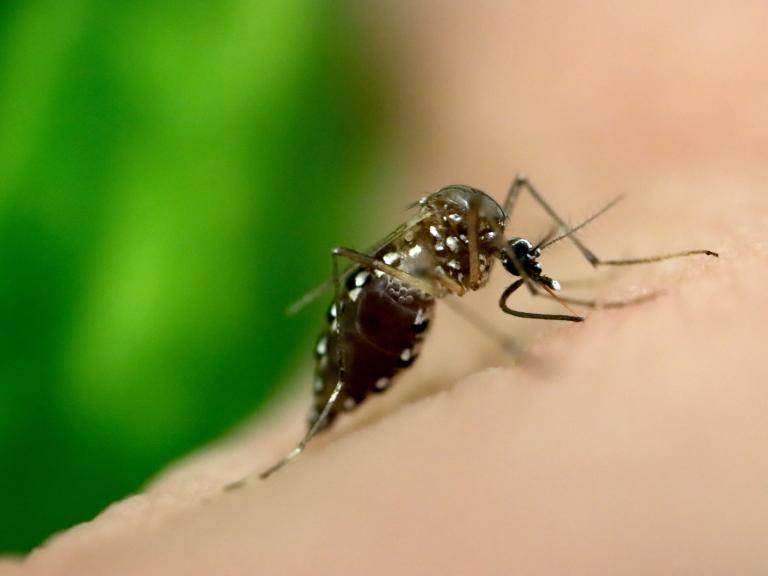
(521,248)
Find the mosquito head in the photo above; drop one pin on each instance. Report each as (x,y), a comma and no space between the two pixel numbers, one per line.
(521,258)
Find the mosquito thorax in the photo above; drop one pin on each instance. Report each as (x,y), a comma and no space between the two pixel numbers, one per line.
(460,198)
(446,223)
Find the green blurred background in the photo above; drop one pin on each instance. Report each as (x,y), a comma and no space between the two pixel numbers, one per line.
(170,178)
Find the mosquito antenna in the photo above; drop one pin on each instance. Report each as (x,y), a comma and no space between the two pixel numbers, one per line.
(547,237)
(548,242)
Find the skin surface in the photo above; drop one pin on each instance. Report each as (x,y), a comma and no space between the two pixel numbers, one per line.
(633,443)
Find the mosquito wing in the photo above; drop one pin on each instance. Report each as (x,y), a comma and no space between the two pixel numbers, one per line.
(327,286)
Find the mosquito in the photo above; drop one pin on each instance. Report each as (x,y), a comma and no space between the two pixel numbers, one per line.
(384,302)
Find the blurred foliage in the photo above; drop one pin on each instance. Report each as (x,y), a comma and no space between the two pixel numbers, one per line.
(171,176)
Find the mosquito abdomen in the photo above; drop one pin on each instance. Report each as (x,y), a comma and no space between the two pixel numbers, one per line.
(381,323)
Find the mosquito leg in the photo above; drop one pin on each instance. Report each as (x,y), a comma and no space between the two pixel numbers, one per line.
(521,182)
(316,426)
(512,194)
(657,258)
(607,304)
(474,252)
(320,420)
(508,292)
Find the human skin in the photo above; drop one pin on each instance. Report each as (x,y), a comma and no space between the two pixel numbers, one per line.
(633,443)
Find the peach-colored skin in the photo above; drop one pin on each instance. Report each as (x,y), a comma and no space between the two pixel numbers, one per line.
(635,443)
